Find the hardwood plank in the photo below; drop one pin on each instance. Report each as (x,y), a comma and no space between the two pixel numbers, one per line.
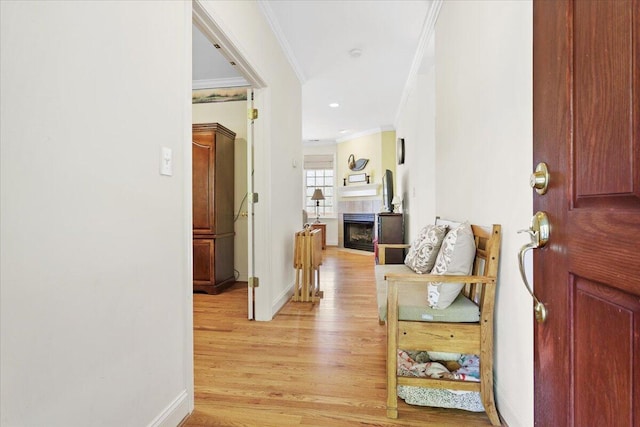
(316,364)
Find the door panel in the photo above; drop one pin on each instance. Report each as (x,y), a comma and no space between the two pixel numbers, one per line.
(606,323)
(602,99)
(587,129)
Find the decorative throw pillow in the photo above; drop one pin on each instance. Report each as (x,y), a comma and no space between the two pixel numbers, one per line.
(454,258)
(424,249)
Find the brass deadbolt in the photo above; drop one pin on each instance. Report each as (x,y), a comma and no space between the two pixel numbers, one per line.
(539,180)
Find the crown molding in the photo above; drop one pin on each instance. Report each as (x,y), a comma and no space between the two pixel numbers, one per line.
(428,29)
(219,83)
(365,133)
(282,40)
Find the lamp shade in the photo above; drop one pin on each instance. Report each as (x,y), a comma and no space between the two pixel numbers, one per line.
(396,200)
(317,195)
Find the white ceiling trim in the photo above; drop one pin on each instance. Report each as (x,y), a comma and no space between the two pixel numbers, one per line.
(366,133)
(282,40)
(218,83)
(425,36)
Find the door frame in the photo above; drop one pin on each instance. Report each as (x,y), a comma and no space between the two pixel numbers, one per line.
(214,32)
(196,14)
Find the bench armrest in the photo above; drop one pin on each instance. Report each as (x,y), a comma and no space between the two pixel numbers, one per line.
(382,247)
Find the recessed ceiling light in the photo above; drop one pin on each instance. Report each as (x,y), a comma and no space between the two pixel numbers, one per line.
(355,52)
(334,105)
(343,131)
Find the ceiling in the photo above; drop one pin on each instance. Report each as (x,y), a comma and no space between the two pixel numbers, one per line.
(356,53)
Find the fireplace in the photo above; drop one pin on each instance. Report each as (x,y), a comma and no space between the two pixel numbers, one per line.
(358,231)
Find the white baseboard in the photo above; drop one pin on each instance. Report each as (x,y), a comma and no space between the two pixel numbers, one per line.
(174,413)
(282,299)
(509,416)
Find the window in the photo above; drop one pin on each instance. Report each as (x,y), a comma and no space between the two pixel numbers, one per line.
(319,173)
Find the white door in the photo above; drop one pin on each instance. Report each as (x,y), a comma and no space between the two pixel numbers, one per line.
(250,209)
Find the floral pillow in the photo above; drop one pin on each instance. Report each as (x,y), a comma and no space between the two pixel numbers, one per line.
(424,249)
(454,258)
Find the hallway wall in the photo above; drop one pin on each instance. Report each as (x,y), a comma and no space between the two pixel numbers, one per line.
(95,275)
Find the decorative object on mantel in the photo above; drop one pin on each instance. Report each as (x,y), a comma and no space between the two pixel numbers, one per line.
(357,177)
(317,196)
(356,165)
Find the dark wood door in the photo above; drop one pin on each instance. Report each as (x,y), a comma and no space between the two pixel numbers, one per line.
(587,129)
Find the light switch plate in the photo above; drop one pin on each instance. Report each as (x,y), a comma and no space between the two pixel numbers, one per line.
(166,161)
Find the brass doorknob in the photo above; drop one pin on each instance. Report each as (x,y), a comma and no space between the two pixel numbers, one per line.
(539,180)
(539,233)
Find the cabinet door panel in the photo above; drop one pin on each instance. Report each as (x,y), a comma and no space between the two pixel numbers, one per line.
(202,187)
(391,230)
(203,256)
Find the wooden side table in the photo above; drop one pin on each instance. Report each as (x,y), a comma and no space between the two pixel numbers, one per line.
(323,229)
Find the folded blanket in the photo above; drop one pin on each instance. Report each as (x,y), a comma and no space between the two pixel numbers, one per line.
(469,367)
(419,364)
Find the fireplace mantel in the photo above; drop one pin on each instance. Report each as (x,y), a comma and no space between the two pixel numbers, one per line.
(363,190)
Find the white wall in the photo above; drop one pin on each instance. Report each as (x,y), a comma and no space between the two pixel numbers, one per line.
(278,132)
(483,162)
(416,181)
(95,259)
(233,116)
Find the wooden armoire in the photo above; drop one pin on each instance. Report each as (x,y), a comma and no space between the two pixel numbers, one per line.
(213,207)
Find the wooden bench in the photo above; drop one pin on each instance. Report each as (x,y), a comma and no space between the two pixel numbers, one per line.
(470,336)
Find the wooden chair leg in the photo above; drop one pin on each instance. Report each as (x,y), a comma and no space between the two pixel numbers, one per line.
(490,408)
(486,394)
(392,388)
(392,350)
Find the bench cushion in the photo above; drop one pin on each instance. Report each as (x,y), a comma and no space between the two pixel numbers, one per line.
(412,300)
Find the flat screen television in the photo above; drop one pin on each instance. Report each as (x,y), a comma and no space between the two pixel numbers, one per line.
(387,191)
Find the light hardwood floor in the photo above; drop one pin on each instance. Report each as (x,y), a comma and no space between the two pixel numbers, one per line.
(313,365)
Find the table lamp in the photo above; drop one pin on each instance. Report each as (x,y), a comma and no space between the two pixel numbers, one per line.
(317,196)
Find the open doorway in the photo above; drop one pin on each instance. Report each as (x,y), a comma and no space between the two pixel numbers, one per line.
(220,96)
(217,66)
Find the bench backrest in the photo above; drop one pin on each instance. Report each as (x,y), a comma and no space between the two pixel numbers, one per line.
(485,264)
